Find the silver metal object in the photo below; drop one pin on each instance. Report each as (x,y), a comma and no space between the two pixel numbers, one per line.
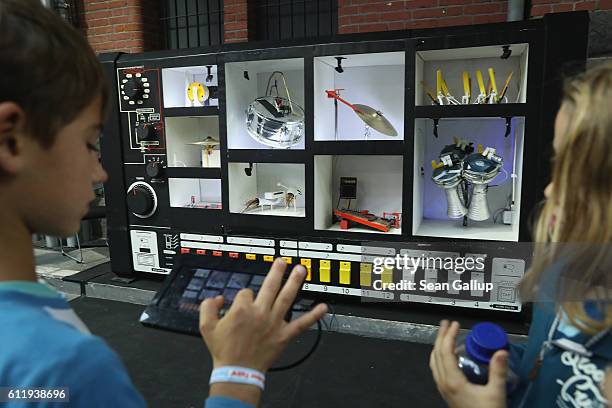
(449,178)
(480,170)
(275,121)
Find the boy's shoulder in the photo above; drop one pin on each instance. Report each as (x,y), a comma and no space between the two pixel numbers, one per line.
(45,345)
(44,341)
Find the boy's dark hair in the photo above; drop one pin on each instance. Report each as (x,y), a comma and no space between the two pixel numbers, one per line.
(47,67)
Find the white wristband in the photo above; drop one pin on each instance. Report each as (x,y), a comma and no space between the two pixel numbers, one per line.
(240,375)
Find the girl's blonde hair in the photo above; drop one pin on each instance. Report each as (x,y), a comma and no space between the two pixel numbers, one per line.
(575,224)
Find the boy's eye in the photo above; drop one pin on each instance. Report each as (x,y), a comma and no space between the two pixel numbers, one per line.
(93,147)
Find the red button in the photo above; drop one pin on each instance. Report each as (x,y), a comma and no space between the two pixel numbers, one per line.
(201,251)
(185,250)
(217,253)
(233,254)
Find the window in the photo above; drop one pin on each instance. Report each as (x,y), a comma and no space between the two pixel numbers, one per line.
(289,19)
(192,23)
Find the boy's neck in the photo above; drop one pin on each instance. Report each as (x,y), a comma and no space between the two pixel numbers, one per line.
(16,253)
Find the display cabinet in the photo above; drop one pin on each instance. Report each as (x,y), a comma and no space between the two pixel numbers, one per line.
(333,152)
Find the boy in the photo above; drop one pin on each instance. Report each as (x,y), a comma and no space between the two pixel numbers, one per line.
(52,99)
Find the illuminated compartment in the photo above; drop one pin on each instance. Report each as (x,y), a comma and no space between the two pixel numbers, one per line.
(374,80)
(246,82)
(195,193)
(270,189)
(453,62)
(436,212)
(193,141)
(178,81)
(378,190)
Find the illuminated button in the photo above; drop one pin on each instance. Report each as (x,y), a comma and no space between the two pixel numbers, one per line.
(185,250)
(345,273)
(268,258)
(233,254)
(308,265)
(387,275)
(324,271)
(251,257)
(217,253)
(201,251)
(365,274)
(288,260)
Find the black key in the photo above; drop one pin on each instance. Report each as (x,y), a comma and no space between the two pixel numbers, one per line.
(218,279)
(257,280)
(239,280)
(209,293)
(190,294)
(229,295)
(201,273)
(195,284)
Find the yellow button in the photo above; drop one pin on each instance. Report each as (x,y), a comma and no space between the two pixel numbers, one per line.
(307,264)
(325,274)
(251,257)
(324,264)
(268,258)
(287,259)
(345,273)
(387,275)
(365,274)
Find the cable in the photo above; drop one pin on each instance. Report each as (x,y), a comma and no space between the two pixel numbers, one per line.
(307,355)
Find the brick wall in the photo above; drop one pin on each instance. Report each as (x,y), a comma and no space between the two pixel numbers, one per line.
(120,25)
(235,17)
(356,16)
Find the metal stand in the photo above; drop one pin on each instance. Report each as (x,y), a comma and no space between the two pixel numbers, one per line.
(80,260)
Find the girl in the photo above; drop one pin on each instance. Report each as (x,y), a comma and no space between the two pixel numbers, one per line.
(570,343)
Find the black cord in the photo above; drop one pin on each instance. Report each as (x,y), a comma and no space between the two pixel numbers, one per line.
(307,355)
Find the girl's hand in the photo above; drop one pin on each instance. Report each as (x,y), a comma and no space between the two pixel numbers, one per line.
(453,385)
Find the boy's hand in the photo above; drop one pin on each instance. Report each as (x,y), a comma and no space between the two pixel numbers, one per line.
(253,333)
(454,387)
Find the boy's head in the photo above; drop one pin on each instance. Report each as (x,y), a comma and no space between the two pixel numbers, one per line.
(52,98)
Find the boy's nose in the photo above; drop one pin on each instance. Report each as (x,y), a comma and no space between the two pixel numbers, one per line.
(100,175)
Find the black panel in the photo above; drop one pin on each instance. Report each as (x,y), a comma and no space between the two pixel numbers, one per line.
(547,55)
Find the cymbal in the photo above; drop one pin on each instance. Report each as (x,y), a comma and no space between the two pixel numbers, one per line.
(208,142)
(374,119)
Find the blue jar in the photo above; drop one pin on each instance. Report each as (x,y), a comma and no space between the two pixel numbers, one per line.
(475,351)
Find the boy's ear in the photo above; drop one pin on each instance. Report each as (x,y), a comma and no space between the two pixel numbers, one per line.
(12,125)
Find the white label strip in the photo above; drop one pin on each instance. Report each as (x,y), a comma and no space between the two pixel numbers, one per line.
(366,250)
(289,244)
(288,252)
(348,248)
(250,241)
(330,255)
(169,252)
(205,238)
(229,248)
(348,291)
(317,246)
(452,302)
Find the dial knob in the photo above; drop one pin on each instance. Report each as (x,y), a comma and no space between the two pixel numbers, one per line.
(146,131)
(141,199)
(155,169)
(134,89)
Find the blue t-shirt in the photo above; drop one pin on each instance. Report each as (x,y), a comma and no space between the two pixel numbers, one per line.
(43,344)
(565,378)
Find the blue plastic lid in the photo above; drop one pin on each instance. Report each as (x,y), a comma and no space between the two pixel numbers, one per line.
(484,340)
